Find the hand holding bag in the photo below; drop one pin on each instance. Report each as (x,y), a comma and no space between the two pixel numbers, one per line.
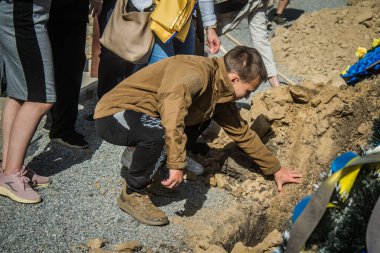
(128,35)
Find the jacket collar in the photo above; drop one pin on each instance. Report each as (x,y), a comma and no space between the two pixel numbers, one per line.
(223,85)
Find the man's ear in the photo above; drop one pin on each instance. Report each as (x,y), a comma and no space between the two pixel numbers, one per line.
(234,78)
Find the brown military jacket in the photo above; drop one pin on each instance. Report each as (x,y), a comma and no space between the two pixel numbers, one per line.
(182,91)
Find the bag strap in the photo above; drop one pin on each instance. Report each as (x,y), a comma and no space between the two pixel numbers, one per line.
(314,211)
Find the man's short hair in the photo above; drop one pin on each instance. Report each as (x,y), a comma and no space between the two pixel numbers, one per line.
(246,62)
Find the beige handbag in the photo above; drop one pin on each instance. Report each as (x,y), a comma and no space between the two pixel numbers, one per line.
(128,34)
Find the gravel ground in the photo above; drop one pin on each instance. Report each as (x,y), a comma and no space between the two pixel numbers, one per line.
(81,202)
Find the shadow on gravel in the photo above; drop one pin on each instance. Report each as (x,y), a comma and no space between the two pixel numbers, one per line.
(290,14)
(193,192)
(56,158)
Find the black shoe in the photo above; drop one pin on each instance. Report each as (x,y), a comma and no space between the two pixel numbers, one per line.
(73,140)
(279,20)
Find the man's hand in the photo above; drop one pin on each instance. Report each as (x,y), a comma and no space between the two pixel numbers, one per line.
(213,41)
(284,176)
(175,179)
(95,7)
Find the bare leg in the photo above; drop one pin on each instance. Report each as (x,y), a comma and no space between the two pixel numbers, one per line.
(10,110)
(274,82)
(21,131)
(281,6)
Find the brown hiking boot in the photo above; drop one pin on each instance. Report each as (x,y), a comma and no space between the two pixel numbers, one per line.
(140,207)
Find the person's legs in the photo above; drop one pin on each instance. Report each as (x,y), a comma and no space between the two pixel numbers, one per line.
(188,46)
(278,19)
(139,130)
(68,46)
(145,134)
(161,51)
(23,127)
(10,110)
(281,6)
(193,133)
(20,120)
(30,90)
(260,39)
(149,155)
(112,68)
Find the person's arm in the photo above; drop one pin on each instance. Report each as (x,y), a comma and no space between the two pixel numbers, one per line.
(228,117)
(175,97)
(260,40)
(274,82)
(208,16)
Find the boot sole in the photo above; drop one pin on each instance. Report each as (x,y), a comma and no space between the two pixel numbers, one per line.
(138,217)
(7,193)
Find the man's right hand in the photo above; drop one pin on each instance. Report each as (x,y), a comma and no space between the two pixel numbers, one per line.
(284,176)
(175,179)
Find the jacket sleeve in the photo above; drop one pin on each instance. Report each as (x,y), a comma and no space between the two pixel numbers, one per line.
(175,98)
(228,117)
(206,8)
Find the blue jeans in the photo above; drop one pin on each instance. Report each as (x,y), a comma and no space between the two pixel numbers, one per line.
(162,51)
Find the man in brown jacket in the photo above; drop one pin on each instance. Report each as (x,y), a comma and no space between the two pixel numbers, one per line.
(150,110)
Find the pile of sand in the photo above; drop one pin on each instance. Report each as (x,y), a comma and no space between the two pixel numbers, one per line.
(322,44)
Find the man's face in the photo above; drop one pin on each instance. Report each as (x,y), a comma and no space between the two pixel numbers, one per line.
(243,89)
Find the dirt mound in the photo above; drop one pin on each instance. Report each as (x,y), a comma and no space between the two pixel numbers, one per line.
(320,45)
(311,124)
(317,123)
